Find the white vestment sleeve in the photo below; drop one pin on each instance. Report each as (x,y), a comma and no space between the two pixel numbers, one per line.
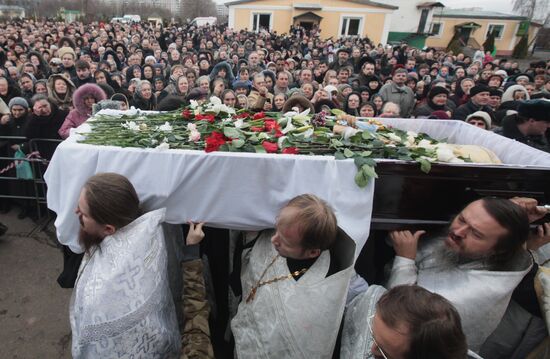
(403,272)
(542,255)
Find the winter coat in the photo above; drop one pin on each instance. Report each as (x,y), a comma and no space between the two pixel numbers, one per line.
(510,129)
(140,103)
(403,96)
(63,102)
(46,127)
(229,78)
(81,113)
(468,108)
(508,95)
(426,109)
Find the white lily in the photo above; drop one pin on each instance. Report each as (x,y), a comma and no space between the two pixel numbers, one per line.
(394,137)
(289,127)
(308,133)
(280,141)
(214,100)
(166,127)
(193,104)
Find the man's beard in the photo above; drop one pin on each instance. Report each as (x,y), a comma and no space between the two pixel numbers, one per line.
(450,259)
(88,240)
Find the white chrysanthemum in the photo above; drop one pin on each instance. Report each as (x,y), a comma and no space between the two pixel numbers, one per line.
(163,146)
(142,126)
(132,125)
(166,127)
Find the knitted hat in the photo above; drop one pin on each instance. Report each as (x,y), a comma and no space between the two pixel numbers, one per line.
(66,50)
(482,115)
(240,84)
(18,101)
(495,92)
(538,110)
(479,89)
(437,90)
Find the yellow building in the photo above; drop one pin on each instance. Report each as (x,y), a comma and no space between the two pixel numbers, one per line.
(335,18)
(474,26)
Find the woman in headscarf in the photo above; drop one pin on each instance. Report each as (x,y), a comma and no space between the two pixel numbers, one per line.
(60,91)
(144,98)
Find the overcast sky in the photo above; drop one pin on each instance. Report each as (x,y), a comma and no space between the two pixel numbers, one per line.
(504,6)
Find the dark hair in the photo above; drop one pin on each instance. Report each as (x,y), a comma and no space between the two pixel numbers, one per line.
(111,199)
(433,324)
(316,221)
(514,219)
(81,65)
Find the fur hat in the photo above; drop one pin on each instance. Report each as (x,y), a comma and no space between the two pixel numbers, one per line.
(538,110)
(298,99)
(482,115)
(66,50)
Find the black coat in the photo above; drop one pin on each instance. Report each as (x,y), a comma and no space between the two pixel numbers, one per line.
(510,129)
(46,127)
(468,108)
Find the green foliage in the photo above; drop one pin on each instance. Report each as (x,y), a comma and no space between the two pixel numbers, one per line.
(489,44)
(454,45)
(521,48)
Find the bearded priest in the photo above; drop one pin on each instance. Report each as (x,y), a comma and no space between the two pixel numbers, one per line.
(121,304)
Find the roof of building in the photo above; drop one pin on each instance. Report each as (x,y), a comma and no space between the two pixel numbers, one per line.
(476,14)
(363,2)
(430,4)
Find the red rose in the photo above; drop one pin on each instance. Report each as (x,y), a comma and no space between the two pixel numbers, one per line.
(259,116)
(271,125)
(256,129)
(214,141)
(290,151)
(242,115)
(278,133)
(209,118)
(186,114)
(270,147)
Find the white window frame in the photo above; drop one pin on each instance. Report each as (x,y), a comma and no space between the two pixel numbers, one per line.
(361,19)
(496,24)
(270,13)
(441,29)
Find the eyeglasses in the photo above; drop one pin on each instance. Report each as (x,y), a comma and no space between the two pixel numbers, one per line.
(369,320)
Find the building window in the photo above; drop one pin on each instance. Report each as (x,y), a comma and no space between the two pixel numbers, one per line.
(499,30)
(436,29)
(261,21)
(351,26)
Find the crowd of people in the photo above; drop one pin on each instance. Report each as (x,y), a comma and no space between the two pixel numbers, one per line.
(54,75)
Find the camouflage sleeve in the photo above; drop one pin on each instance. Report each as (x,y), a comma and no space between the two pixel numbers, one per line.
(196,333)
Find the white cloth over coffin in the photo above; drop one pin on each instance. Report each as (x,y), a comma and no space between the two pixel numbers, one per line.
(242,191)
(121,305)
(289,318)
(510,152)
(480,296)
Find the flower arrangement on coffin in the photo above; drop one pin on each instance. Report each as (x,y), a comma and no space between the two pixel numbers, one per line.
(212,126)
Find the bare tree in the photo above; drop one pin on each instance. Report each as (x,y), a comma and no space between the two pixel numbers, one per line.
(532,9)
(196,8)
